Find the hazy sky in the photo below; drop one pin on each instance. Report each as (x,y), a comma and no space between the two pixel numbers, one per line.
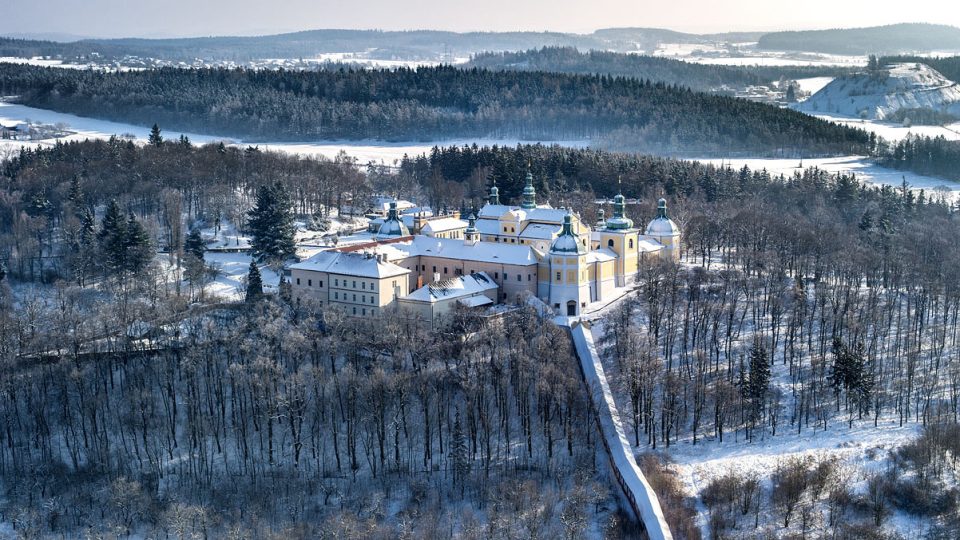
(115,18)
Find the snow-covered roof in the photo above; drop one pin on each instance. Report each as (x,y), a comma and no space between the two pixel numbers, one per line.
(350,264)
(424,211)
(407,220)
(545,214)
(540,231)
(494,211)
(458,287)
(647,245)
(476,301)
(601,255)
(444,225)
(480,252)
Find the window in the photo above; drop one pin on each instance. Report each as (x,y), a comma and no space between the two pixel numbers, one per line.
(512,229)
(354,284)
(321,284)
(364,312)
(354,298)
(529,277)
(363,299)
(423,268)
(513,240)
(363,285)
(458,271)
(336,282)
(354,310)
(496,275)
(434,269)
(558,277)
(519,277)
(631,243)
(610,243)
(336,296)
(298,281)
(309,283)
(444,269)
(373,300)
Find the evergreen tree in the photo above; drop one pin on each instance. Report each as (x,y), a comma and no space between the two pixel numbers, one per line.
(271,224)
(285,290)
(254,283)
(155,139)
(758,381)
(193,245)
(459,454)
(112,239)
(139,251)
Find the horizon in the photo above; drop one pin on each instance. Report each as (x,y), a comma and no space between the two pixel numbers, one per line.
(115,19)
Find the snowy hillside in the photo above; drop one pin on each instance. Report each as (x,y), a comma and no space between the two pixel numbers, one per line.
(879,95)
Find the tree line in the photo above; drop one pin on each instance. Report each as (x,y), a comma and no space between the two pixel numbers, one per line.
(703,77)
(431,103)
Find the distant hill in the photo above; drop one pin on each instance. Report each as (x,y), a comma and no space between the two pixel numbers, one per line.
(881,95)
(665,70)
(891,39)
(408,45)
(948,66)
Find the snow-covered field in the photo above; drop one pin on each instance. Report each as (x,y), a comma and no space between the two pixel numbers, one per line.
(364,151)
(865,169)
(813,85)
(895,132)
(746,54)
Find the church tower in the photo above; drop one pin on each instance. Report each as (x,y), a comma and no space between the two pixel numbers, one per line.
(569,280)
(664,230)
(471,235)
(622,238)
(529,193)
(494,197)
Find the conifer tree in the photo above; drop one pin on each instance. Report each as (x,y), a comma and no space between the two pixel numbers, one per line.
(193,244)
(254,283)
(155,139)
(758,381)
(271,224)
(138,247)
(459,454)
(112,239)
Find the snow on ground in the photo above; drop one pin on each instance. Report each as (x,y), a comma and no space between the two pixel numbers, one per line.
(746,54)
(364,151)
(865,169)
(895,132)
(812,85)
(862,448)
(902,86)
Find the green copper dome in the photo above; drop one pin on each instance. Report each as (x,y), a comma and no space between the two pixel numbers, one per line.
(529,194)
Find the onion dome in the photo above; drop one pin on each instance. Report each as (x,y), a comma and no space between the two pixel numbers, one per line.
(619,221)
(568,241)
(393,225)
(529,194)
(662,225)
(494,195)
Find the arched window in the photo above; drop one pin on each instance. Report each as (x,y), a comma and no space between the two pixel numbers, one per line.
(610,243)
(631,243)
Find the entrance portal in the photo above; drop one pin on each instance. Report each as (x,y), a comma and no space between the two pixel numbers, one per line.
(571,308)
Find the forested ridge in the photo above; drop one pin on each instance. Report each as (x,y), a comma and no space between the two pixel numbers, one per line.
(889,39)
(653,68)
(431,103)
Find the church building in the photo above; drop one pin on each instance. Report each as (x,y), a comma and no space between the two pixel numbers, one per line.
(512,251)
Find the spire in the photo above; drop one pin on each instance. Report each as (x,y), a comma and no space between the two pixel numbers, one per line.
(662,209)
(494,193)
(619,221)
(568,241)
(601,218)
(529,193)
